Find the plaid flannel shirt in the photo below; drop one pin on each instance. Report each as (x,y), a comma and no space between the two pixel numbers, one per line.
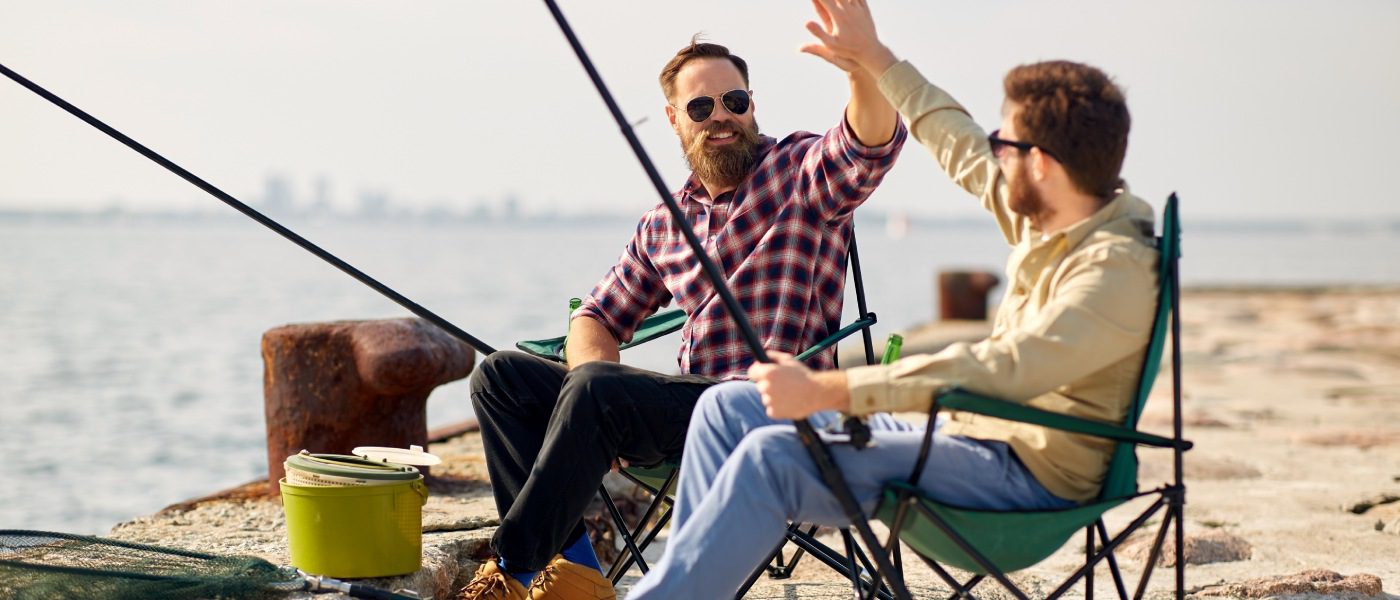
(780,238)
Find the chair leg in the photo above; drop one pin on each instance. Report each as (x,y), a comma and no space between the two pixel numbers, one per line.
(1108,548)
(778,568)
(965,590)
(898,557)
(868,575)
(1112,562)
(754,575)
(1180,509)
(892,542)
(960,589)
(971,552)
(616,573)
(628,541)
(782,569)
(848,566)
(851,563)
(1088,559)
(633,549)
(1152,556)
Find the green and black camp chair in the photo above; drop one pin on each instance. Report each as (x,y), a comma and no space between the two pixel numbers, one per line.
(992,544)
(659,480)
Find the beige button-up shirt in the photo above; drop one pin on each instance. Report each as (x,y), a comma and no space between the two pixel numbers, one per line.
(1072,329)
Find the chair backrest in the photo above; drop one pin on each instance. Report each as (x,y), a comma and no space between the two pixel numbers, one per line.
(1121,479)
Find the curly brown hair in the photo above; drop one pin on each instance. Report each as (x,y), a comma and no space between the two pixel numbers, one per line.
(697,49)
(1078,114)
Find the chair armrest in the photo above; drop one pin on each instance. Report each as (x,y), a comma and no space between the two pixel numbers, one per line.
(960,399)
(840,334)
(653,327)
(548,349)
(667,322)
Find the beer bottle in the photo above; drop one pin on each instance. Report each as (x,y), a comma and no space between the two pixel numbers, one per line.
(892,346)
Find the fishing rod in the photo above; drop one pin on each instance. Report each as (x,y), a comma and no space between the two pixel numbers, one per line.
(821,454)
(335,261)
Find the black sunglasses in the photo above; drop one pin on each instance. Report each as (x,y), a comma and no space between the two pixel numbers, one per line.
(999,145)
(700,108)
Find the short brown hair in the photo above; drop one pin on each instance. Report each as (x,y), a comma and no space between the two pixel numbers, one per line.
(1078,114)
(697,49)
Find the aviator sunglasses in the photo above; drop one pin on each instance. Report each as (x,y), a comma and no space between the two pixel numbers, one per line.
(700,108)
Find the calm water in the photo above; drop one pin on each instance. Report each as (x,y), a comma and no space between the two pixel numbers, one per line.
(130,374)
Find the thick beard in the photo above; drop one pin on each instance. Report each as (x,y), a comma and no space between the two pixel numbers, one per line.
(725,165)
(1021,197)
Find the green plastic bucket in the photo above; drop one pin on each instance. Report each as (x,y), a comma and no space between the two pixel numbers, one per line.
(353,532)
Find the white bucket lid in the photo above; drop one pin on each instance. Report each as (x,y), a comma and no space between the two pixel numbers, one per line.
(413,455)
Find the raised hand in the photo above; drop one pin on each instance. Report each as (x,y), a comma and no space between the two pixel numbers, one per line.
(846,37)
(825,50)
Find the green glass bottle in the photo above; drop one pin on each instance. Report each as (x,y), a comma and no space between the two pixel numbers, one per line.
(892,346)
(574,303)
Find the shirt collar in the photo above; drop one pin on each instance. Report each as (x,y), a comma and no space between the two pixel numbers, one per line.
(1076,233)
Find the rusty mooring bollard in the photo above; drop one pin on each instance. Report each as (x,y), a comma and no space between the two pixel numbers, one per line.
(329,387)
(963,294)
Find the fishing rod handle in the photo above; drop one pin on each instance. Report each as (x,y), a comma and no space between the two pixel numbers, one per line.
(321,583)
(363,591)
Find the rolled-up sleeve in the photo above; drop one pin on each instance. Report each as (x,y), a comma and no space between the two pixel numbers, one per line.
(630,291)
(838,173)
(1101,312)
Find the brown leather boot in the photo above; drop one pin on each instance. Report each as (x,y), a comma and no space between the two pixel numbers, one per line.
(491,583)
(563,580)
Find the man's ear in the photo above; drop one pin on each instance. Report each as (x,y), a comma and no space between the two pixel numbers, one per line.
(1040,164)
(671,116)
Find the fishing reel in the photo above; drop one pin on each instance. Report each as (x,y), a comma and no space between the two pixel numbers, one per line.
(852,430)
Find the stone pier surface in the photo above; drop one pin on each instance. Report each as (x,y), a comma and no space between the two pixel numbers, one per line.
(1293,490)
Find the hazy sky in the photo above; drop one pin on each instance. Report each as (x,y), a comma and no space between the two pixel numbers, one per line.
(1268,108)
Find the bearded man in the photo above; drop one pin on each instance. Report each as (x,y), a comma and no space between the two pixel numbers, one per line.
(776,217)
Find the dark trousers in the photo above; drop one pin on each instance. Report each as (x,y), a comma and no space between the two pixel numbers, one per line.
(551,435)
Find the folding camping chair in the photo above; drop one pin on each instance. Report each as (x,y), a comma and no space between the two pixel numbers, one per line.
(659,480)
(989,543)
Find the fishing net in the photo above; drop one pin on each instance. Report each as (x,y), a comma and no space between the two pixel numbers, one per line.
(37,565)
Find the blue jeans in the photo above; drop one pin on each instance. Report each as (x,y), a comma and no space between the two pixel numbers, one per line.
(744,476)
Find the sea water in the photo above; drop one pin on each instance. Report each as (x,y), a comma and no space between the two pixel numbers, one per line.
(130,370)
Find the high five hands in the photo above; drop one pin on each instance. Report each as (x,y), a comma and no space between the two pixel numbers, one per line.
(846,37)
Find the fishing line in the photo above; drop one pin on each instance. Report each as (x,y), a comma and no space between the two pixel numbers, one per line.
(821,455)
(335,261)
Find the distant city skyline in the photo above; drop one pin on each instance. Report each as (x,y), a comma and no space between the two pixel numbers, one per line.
(1250,109)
